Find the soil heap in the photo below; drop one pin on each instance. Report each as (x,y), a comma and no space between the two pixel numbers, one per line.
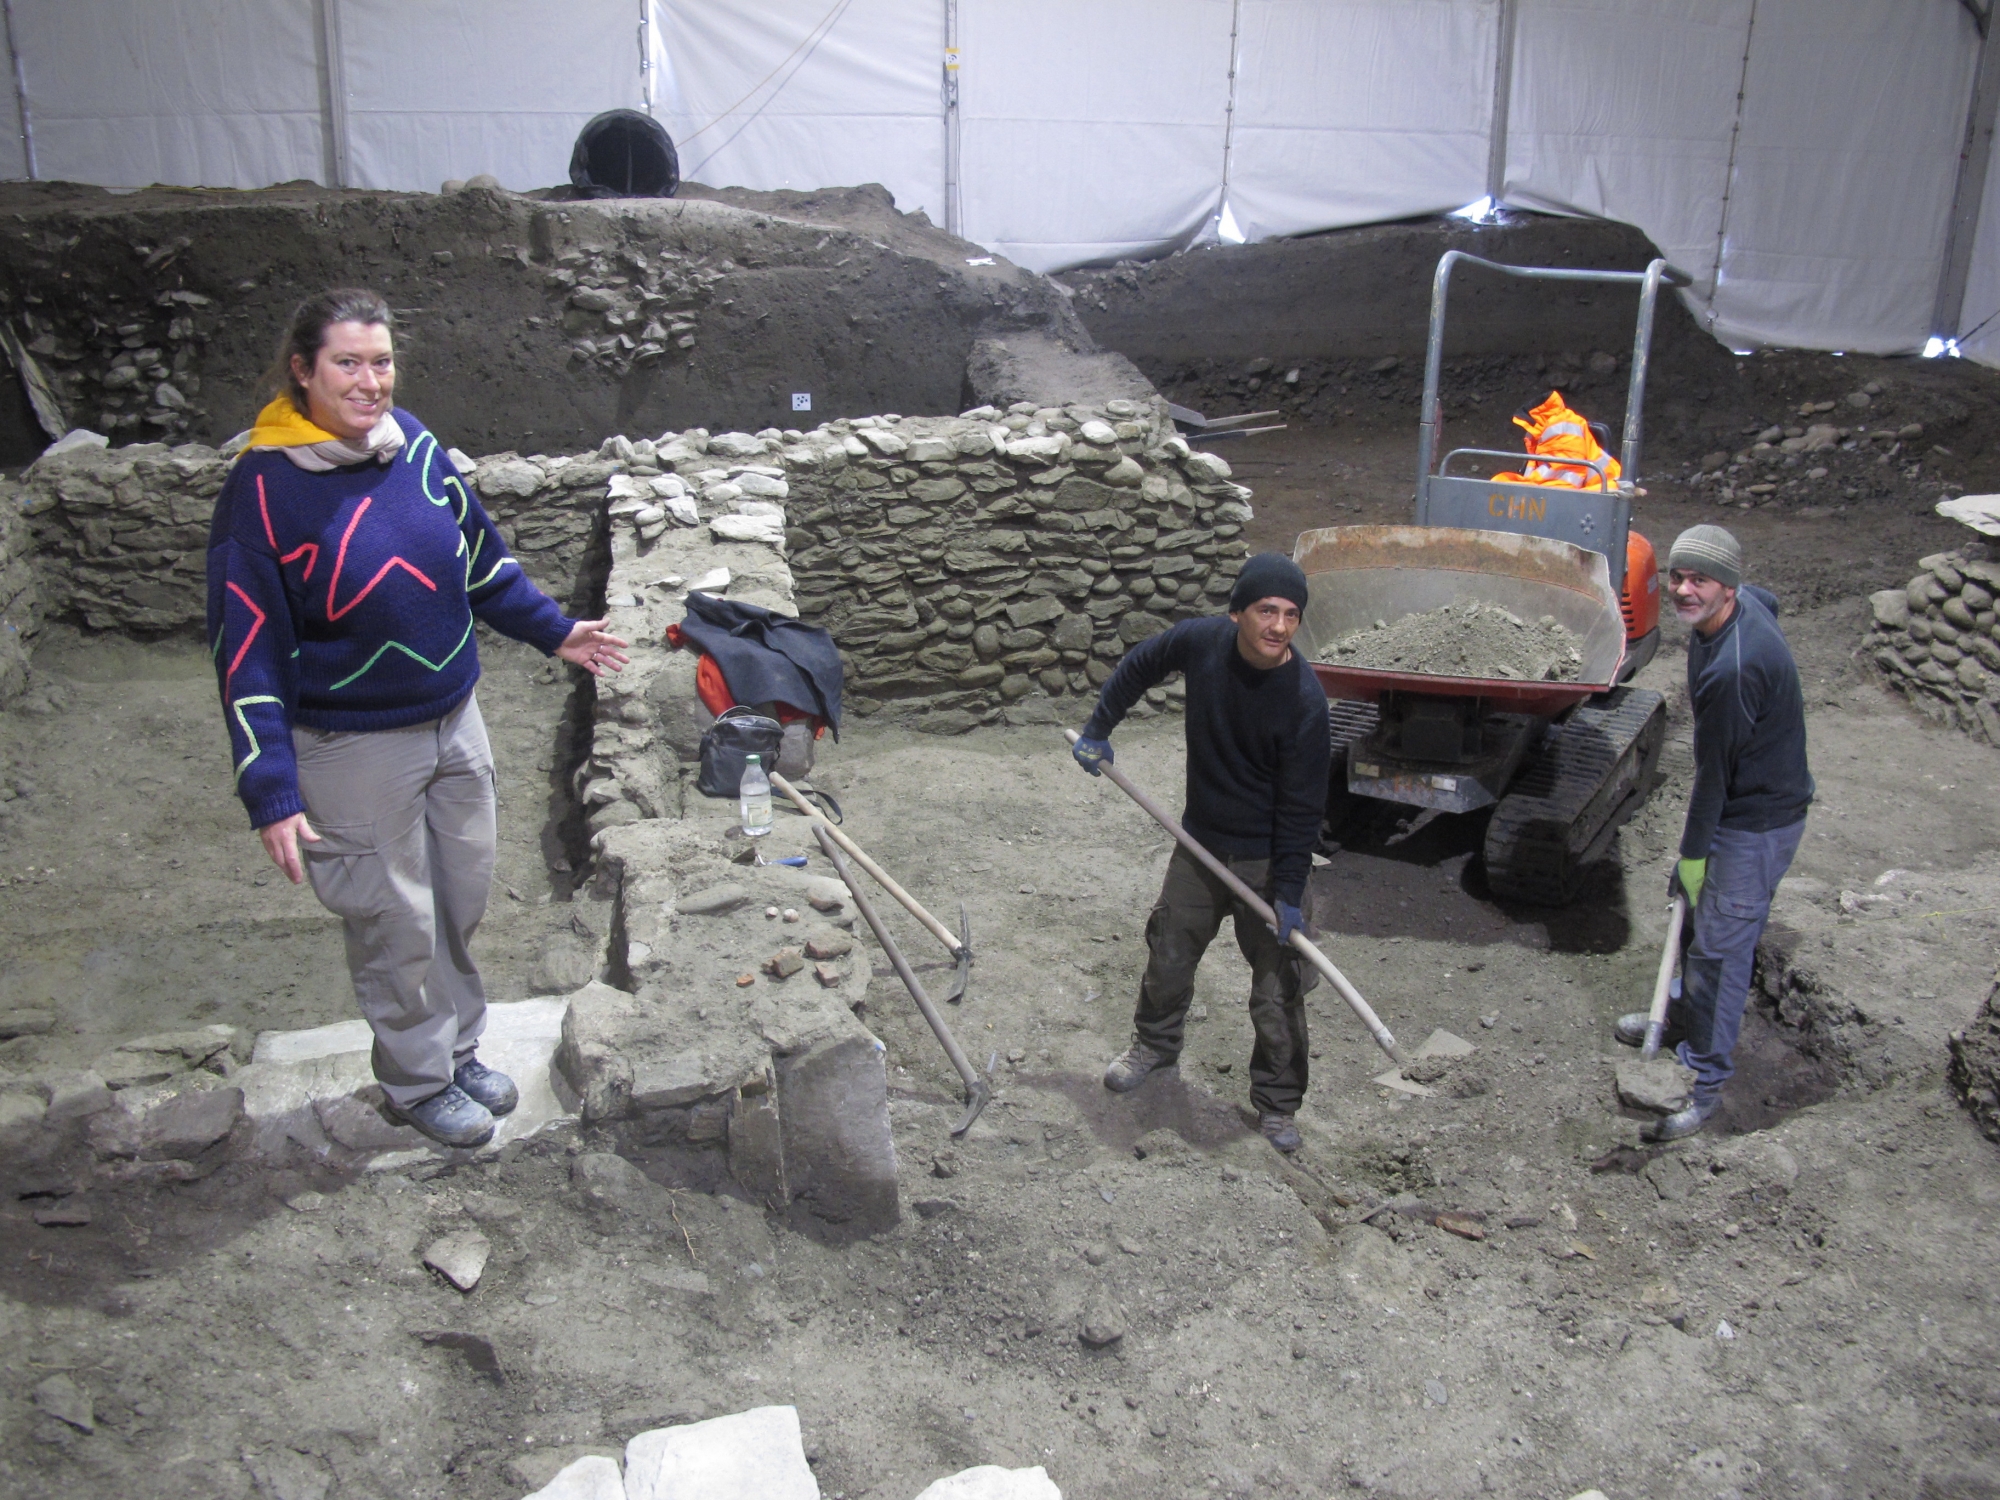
(1465,640)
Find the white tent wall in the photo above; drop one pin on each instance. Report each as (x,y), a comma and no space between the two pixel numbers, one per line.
(1359,112)
(1093,129)
(13,144)
(806,94)
(453,88)
(1844,172)
(1625,111)
(1979,321)
(216,93)
(1811,210)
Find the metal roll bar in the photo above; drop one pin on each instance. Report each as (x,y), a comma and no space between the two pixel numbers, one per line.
(1648,282)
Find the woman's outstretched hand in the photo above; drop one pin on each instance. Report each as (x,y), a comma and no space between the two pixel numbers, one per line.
(281,842)
(594,648)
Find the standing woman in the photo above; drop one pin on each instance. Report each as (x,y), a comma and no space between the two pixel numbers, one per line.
(346,564)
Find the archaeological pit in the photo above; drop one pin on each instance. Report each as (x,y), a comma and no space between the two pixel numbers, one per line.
(224,1273)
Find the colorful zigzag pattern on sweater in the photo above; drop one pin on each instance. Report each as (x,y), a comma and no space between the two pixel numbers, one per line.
(346,601)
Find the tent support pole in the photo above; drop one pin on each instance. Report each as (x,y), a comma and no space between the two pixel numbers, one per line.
(1729,173)
(646,55)
(1229,111)
(1503,99)
(20,92)
(1969,193)
(335,122)
(953,217)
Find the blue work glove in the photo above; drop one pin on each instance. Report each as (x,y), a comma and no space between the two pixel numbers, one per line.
(1092,754)
(1290,920)
(1689,877)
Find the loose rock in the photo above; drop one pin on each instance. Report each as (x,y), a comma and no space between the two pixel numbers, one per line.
(460,1258)
(66,1401)
(1103,1320)
(1661,1085)
(713,902)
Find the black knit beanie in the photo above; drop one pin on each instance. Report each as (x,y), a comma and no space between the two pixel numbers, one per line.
(1268,575)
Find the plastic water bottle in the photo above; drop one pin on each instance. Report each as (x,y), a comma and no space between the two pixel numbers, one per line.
(753,798)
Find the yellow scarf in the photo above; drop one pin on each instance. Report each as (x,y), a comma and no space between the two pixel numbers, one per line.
(280,425)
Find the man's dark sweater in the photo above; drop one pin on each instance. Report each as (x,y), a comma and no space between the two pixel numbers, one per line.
(1749,727)
(1258,747)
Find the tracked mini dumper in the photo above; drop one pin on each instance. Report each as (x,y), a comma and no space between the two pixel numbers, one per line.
(1562,765)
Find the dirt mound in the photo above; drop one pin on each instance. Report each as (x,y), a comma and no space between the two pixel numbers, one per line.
(1465,640)
(528,325)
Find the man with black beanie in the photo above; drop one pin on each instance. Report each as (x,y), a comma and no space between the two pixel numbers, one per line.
(1258,752)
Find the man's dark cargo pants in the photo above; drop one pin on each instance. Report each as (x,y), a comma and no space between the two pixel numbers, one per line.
(1184,921)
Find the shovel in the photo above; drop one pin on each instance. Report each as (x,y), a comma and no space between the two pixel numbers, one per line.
(1670,957)
(977,1090)
(1259,907)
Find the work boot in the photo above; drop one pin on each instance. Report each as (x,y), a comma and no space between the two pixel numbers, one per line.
(1130,1070)
(1630,1029)
(451,1118)
(485,1086)
(1281,1131)
(1683,1122)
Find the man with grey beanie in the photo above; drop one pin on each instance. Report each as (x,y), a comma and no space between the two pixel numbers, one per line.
(1746,813)
(1258,754)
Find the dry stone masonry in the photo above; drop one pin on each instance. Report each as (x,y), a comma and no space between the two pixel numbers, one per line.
(20,599)
(121,534)
(968,564)
(1937,641)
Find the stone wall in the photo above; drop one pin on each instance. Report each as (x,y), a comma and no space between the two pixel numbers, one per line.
(121,534)
(20,596)
(1937,640)
(971,566)
(985,568)
(974,569)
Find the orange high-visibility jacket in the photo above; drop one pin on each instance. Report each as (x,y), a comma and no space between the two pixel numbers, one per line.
(1554,431)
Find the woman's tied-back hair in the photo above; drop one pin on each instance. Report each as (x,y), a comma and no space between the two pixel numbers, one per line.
(305,336)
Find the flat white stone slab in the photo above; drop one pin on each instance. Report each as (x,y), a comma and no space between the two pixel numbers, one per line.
(1394,1079)
(756,1452)
(1442,1043)
(991,1482)
(590,1478)
(316,1086)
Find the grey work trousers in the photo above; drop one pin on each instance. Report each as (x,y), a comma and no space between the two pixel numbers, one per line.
(1743,873)
(407,832)
(1183,923)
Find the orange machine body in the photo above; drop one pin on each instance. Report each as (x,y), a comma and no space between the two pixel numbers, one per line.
(1640,603)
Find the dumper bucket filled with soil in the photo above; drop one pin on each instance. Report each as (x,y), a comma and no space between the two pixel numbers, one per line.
(1522,618)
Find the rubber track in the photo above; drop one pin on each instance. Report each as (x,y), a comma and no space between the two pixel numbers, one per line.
(1557,806)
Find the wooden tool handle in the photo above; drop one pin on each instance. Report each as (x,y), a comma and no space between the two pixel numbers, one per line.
(1302,943)
(1656,1014)
(881,877)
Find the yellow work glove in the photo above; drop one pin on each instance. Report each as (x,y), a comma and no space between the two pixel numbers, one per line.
(1692,874)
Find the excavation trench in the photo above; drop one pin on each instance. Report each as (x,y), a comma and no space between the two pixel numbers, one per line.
(1275,1335)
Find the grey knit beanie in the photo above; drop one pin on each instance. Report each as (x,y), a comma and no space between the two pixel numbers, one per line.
(1709,551)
